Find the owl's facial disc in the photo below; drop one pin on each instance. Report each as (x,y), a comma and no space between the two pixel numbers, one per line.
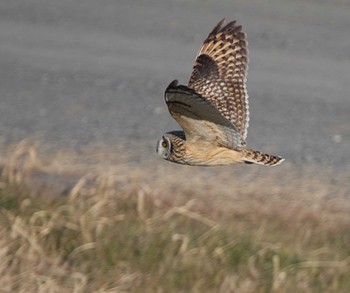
(164,147)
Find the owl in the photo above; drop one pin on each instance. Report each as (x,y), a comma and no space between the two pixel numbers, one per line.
(213,109)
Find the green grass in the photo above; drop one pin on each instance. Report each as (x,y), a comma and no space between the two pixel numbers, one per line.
(100,239)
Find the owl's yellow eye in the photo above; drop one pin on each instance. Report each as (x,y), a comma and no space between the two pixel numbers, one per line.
(164,144)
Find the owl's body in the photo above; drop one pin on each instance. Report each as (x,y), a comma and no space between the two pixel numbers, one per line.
(213,108)
(202,153)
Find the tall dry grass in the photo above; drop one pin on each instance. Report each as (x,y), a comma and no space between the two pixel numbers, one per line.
(170,228)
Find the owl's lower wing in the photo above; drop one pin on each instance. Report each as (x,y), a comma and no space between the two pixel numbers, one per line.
(199,119)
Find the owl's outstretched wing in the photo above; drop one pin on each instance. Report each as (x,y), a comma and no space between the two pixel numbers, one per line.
(199,119)
(220,72)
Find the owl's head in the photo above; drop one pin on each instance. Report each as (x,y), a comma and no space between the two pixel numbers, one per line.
(164,147)
(171,146)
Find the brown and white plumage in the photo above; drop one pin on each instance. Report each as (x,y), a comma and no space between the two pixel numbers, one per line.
(213,109)
(220,73)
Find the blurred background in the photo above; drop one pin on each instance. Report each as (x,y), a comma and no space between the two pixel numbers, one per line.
(82,108)
(93,73)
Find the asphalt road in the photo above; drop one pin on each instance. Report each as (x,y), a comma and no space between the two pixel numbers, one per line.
(85,73)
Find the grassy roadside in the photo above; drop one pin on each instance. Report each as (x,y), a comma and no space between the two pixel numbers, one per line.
(105,240)
(105,236)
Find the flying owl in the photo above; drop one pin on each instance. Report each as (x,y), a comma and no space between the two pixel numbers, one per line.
(213,109)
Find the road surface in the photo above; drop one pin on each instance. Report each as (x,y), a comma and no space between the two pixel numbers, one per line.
(92,73)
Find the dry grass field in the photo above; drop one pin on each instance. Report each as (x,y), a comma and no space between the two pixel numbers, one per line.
(90,76)
(126,230)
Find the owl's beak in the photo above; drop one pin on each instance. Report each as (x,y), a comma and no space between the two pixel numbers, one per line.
(157,147)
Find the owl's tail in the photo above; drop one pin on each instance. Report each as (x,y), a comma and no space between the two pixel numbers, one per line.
(256,157)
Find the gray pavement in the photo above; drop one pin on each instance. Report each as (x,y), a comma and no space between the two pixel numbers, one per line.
(78,73)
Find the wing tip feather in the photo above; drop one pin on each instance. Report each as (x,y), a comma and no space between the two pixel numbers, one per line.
(218,27)
(231,28)
(172,85)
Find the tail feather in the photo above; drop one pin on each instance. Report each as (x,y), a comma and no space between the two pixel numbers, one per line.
(256,157)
